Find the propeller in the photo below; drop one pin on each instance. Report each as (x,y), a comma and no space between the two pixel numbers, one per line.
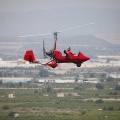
(50,53)
(44,51)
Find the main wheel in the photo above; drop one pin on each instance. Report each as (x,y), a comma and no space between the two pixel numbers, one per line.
(78,65)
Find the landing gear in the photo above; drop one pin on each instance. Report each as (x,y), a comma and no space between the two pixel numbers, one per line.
(78,65)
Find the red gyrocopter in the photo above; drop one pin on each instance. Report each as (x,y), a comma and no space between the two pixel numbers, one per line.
(55,55)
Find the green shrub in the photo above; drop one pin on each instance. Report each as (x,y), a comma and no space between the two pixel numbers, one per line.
(109,79)
(113,93)
(11,114)
(117,87)
(83,112)
(110,108)
(104,108)
(99,101)
(5,107)
(99,86)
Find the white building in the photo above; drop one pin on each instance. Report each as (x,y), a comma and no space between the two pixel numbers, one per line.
(114,75)
(60,95)
(14,79)
(11,95)
(91,80)
(55,81)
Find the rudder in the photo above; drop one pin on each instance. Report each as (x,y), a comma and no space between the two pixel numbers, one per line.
(29,56)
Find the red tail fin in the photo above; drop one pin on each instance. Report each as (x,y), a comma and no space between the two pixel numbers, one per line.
(29,56)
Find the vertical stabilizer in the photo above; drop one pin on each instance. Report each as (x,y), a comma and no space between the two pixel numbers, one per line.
(29,56)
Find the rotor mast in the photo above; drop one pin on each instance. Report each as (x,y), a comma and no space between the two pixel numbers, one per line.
(55,35)
(55,38)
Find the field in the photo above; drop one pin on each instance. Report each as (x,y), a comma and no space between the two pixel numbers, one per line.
(43,104)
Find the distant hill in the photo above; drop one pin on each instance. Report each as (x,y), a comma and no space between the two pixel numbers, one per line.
(76,40)
(110,37)
(88,44)
(86,40)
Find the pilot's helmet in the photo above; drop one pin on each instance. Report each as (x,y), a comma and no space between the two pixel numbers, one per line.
(69,48)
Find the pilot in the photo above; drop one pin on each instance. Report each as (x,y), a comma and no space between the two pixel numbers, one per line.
(69,49)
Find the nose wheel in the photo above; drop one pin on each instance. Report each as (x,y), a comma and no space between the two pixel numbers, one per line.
(78,65)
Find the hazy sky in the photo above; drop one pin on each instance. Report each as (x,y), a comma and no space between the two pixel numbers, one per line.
(33,5)
(19,17)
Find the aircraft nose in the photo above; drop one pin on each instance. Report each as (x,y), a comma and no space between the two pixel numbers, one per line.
(87,58)
(83,57)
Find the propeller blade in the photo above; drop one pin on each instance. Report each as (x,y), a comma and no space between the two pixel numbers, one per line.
(47,53)
(44,51)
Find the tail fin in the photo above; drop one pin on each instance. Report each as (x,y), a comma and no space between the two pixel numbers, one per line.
(29,56)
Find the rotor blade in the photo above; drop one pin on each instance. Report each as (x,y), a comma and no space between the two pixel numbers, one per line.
(56,32)
(35,35)
(75,27)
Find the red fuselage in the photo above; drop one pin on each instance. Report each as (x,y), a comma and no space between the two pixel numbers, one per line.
(70,57)
(58,58)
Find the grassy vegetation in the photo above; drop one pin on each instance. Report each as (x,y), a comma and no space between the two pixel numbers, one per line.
(90,104)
